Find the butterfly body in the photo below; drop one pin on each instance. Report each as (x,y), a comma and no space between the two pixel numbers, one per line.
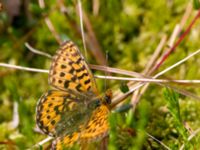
(73,112)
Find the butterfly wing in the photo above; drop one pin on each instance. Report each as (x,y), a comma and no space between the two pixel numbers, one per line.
(65,142)
(70,72)
(96,128)
(60,113)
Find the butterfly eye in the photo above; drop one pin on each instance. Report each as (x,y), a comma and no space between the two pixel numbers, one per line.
(108,97)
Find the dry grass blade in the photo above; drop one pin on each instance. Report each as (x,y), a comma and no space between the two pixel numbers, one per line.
(41,143)
(161,143)
(190,138)
(37,51)
(82,28)
(147,80)
(23,68)
(15,122)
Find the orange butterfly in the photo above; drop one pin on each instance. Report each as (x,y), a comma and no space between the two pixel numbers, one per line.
(72,112)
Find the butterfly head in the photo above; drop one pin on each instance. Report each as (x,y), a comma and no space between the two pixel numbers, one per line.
(107,97)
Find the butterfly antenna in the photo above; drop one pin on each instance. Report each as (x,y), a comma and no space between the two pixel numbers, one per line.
(106,72)
(81,25)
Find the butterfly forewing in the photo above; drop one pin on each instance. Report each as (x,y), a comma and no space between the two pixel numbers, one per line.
(70,72)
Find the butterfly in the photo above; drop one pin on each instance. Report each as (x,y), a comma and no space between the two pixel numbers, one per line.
(72,112)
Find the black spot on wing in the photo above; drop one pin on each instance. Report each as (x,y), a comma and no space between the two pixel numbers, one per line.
(63,66)
(71,71)
(62,74)
(78,88)
(84,74)
(88,88)
(50,104)
(53,122)
(81,69)
(73,78)
(87,81)
(66,84)
(79,60)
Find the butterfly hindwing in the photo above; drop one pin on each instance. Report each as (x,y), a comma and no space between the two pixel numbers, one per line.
(60,112)
(66,141)
(96,128)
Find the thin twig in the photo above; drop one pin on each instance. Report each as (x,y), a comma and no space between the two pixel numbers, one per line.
(137,94)
(177,43)
(90,37)
(119,71)
(161,143)
(155,54)
(193,134)
(81,25)
(15,122)
(176,64)
(23,68)
(37,51)
(114,70)
(135,74)
(106,77)
(191,137)
(41,142)
(178,28)
(173,37)
(122,96)
(92,41)
(148,80)
(186,15)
